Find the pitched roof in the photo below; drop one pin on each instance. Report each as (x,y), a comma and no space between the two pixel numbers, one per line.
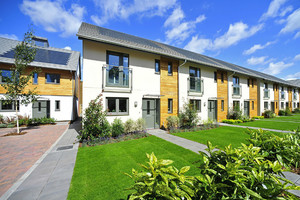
(100,34)
(46,57)
(295,82)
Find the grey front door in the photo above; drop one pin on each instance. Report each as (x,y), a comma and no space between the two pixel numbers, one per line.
(246,108)
(151,112)
(212,109)
(41,109)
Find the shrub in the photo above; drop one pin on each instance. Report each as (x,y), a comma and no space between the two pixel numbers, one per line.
(285,149)
(95,124)
(235,113)
(296,110)
(288,112)
(258,117)
(3,125)
(10,120)
(140,125)
(188,116)
(232,121)
(1,119)
(241,173)
(117,127)
(10,125)
(129,126)
(172,122)
(281,113)
(160,181)
(269,114)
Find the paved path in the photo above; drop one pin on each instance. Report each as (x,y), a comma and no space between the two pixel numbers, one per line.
(19,153)
(196,147)
(50,177)
(266,129)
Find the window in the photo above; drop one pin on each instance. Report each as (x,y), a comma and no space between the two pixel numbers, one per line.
(236,80)
(222,105)
(117,72)
(276,105)
(252,105)
(236,105)
(117,106)
(222,77)
(170,105)
(170,69)
(57,105)
(298,105)
(157,66)
(6,106)
(294,104)
(5,75)
(35,78)
(266,85)
(196,104)
(282,105)
(195,80)
(148,107)
(266,105)
(248,82)
(236,85)
(215,76)
(252,83)
(53,78)
(39,106)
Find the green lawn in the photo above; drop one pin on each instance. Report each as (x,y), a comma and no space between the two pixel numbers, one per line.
(98,172)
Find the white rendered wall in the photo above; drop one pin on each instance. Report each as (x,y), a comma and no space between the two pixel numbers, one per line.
(210,87)
(144,79)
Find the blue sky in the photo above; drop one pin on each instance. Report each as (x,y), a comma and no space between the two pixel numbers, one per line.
(262,35)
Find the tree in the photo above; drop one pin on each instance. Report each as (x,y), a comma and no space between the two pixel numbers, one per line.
(16,82)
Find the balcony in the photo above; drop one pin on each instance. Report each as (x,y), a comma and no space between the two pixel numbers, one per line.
(236,90)
(266,93)
(282,95)
(195,86)
(116,78)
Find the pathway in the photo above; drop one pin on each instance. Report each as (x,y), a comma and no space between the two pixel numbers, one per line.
(266,129)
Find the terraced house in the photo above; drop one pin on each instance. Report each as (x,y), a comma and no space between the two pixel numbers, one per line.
(57,82)
(144,78)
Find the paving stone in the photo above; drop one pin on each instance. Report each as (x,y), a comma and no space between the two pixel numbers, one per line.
(291,176)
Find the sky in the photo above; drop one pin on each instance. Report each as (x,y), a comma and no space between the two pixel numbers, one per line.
(258,34)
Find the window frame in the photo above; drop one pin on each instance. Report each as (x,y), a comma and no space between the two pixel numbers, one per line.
(215,77)
(170,106)
(57,101)
(196,104)
(1,77)
(37,78)
(170,68)
(252,105)
(222,77)
(266,107)
(13,106)
(155,70)
(117,103)
(222,105)
(54,83)
(248,82)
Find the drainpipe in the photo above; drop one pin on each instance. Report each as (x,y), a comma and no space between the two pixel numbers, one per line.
(228,101)
(178,85)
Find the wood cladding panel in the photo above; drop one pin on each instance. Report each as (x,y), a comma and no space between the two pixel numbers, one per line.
(253,95)
(168,89)
(64,88)
(276,98)
(290,94)
(222,94)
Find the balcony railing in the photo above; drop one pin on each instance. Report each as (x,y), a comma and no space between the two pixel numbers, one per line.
(116,78)
(237,90)
(282,96)
(295,95)
(195,86)
(266,93)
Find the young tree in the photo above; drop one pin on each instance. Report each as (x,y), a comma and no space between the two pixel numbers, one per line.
(16,82)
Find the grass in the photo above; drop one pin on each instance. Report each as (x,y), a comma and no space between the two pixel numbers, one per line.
(222,136)
(99,170)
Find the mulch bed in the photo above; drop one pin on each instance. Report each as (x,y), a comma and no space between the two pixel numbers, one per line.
(14,134)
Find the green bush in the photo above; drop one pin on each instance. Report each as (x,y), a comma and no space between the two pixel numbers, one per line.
(160,181)
(1,119)
(285,149)
(258,117)
(117,127)
(188,116)
(129,126)
(3,125)
(172,122)
(269,114)
(140,125)
(10,125)
(95,124)
(296,110)
(281,113)
(232,121)
(288,112)
(235,113)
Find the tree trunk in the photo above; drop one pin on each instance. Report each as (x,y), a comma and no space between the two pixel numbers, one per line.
(16,107)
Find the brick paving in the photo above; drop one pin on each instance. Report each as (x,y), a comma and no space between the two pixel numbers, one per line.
(19,153)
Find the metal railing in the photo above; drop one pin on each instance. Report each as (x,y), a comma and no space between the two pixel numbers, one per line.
(116,76)
(195,85)
(266,93)
(236,90)
(282,95)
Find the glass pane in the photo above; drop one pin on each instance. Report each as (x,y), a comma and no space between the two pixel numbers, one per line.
(111,105)
(170,68)
(192,83)
(148,107)
(198,85)
(6,106)
(125,76)
(192,72)
(122,105)
(125,61)
(35,78)
(156,66)
(114,60)
(113,75)
(6,74)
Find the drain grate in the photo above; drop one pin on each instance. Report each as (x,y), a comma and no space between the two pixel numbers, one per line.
(64,148)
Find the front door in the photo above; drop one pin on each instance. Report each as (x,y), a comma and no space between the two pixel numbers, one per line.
(272,106)
(41,109)
(246,108)
(151,112)
(212,109)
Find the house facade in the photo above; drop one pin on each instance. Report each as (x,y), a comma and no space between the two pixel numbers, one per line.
(57,82)
(143,78)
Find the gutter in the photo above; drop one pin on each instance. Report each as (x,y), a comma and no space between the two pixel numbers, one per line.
(178,85)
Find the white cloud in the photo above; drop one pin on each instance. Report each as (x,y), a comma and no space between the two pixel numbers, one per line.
(292,23)
(257,60)
(285,11)
(117,9)
(297,57)
(273,9)
(68,48)
(9,36)
(297,35)
(53,16)
(256,47)
(276,68)
(179,30)
(236,32)
(293,76)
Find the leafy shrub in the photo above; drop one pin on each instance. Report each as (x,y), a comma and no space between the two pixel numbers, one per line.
(1,119)
(241,173)
(10,125)
(235,113)
(10,120)
(281,113)
(269,114)
(232,121)
(288,112)
(140,125)
(296,110)
(3,125)
(188,116)
(129,126)
(160,181)
(285,149)
(95,124)
(172,122)
(117,127)
(258,117)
